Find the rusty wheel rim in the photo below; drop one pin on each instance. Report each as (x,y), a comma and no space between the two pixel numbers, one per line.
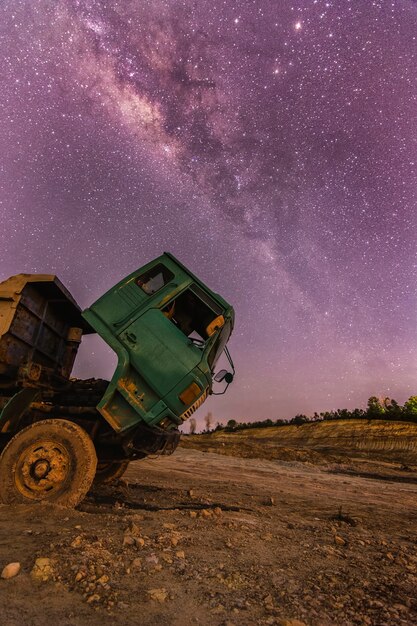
(42,470)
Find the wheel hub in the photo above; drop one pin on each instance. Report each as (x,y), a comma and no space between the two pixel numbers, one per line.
(42,469)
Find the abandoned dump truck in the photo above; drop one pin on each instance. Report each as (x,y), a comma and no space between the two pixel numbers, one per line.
(59,434)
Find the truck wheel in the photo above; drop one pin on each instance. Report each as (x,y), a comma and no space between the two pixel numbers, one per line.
(109,472)
(52,460)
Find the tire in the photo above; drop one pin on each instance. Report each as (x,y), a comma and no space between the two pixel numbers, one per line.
(50,461)
(109,472)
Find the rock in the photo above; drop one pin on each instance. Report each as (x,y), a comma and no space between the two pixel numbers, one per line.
(206,513)
(193,514)
(128,540)
(291,622)
(11,570)
(137,563)
(376,603)
(93,598)
(339,541)
(267,537)
(134,530)
(159,595)
(80,576)
(269,501)
(42,571)
(122,605)
(77,542)
(180,554)
(103,580)
(152,559)
(167,558)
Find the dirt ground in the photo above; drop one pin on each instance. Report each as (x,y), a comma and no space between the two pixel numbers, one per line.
(209,539)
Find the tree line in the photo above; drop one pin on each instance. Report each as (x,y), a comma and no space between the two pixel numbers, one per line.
(377,408)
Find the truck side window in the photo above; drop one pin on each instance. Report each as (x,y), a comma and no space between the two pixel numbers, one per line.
(154,279)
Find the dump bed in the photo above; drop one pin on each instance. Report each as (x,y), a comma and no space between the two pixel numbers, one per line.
(40,328)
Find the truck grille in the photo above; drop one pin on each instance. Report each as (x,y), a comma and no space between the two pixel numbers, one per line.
(194,406)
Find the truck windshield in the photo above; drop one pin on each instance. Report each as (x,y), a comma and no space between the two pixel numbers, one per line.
(219,345)
(191,315)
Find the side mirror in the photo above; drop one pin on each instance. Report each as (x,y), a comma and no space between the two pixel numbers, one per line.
(223,375)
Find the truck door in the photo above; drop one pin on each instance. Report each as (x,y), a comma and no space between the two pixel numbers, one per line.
(159,350)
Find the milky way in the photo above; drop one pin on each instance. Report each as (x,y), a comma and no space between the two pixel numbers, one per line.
(271,146)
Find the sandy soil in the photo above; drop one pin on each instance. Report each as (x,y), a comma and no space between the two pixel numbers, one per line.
(200,538)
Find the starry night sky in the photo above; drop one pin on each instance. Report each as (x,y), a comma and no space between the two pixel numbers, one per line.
(271,146)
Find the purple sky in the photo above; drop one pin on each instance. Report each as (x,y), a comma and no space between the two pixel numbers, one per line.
(271,146)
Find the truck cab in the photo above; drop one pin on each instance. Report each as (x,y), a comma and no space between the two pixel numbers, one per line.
(168,330)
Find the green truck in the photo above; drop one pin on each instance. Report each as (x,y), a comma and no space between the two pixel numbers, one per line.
(60,434)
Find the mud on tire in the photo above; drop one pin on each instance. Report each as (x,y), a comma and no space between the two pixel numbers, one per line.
(52,460)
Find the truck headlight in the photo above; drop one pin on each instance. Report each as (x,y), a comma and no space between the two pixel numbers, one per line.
(190,394)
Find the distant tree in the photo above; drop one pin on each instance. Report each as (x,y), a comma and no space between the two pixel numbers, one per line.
(299,419)
(280,422)
(232,424)
(342,414)
(410,408)
(393,410)
(209,420)
(329,415)
(193,425)
(358,414)
(375,409)
(411,404)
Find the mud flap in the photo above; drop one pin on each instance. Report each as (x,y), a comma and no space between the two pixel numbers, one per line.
(16,407)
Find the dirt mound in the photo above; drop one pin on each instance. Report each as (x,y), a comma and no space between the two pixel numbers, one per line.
(325,443)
